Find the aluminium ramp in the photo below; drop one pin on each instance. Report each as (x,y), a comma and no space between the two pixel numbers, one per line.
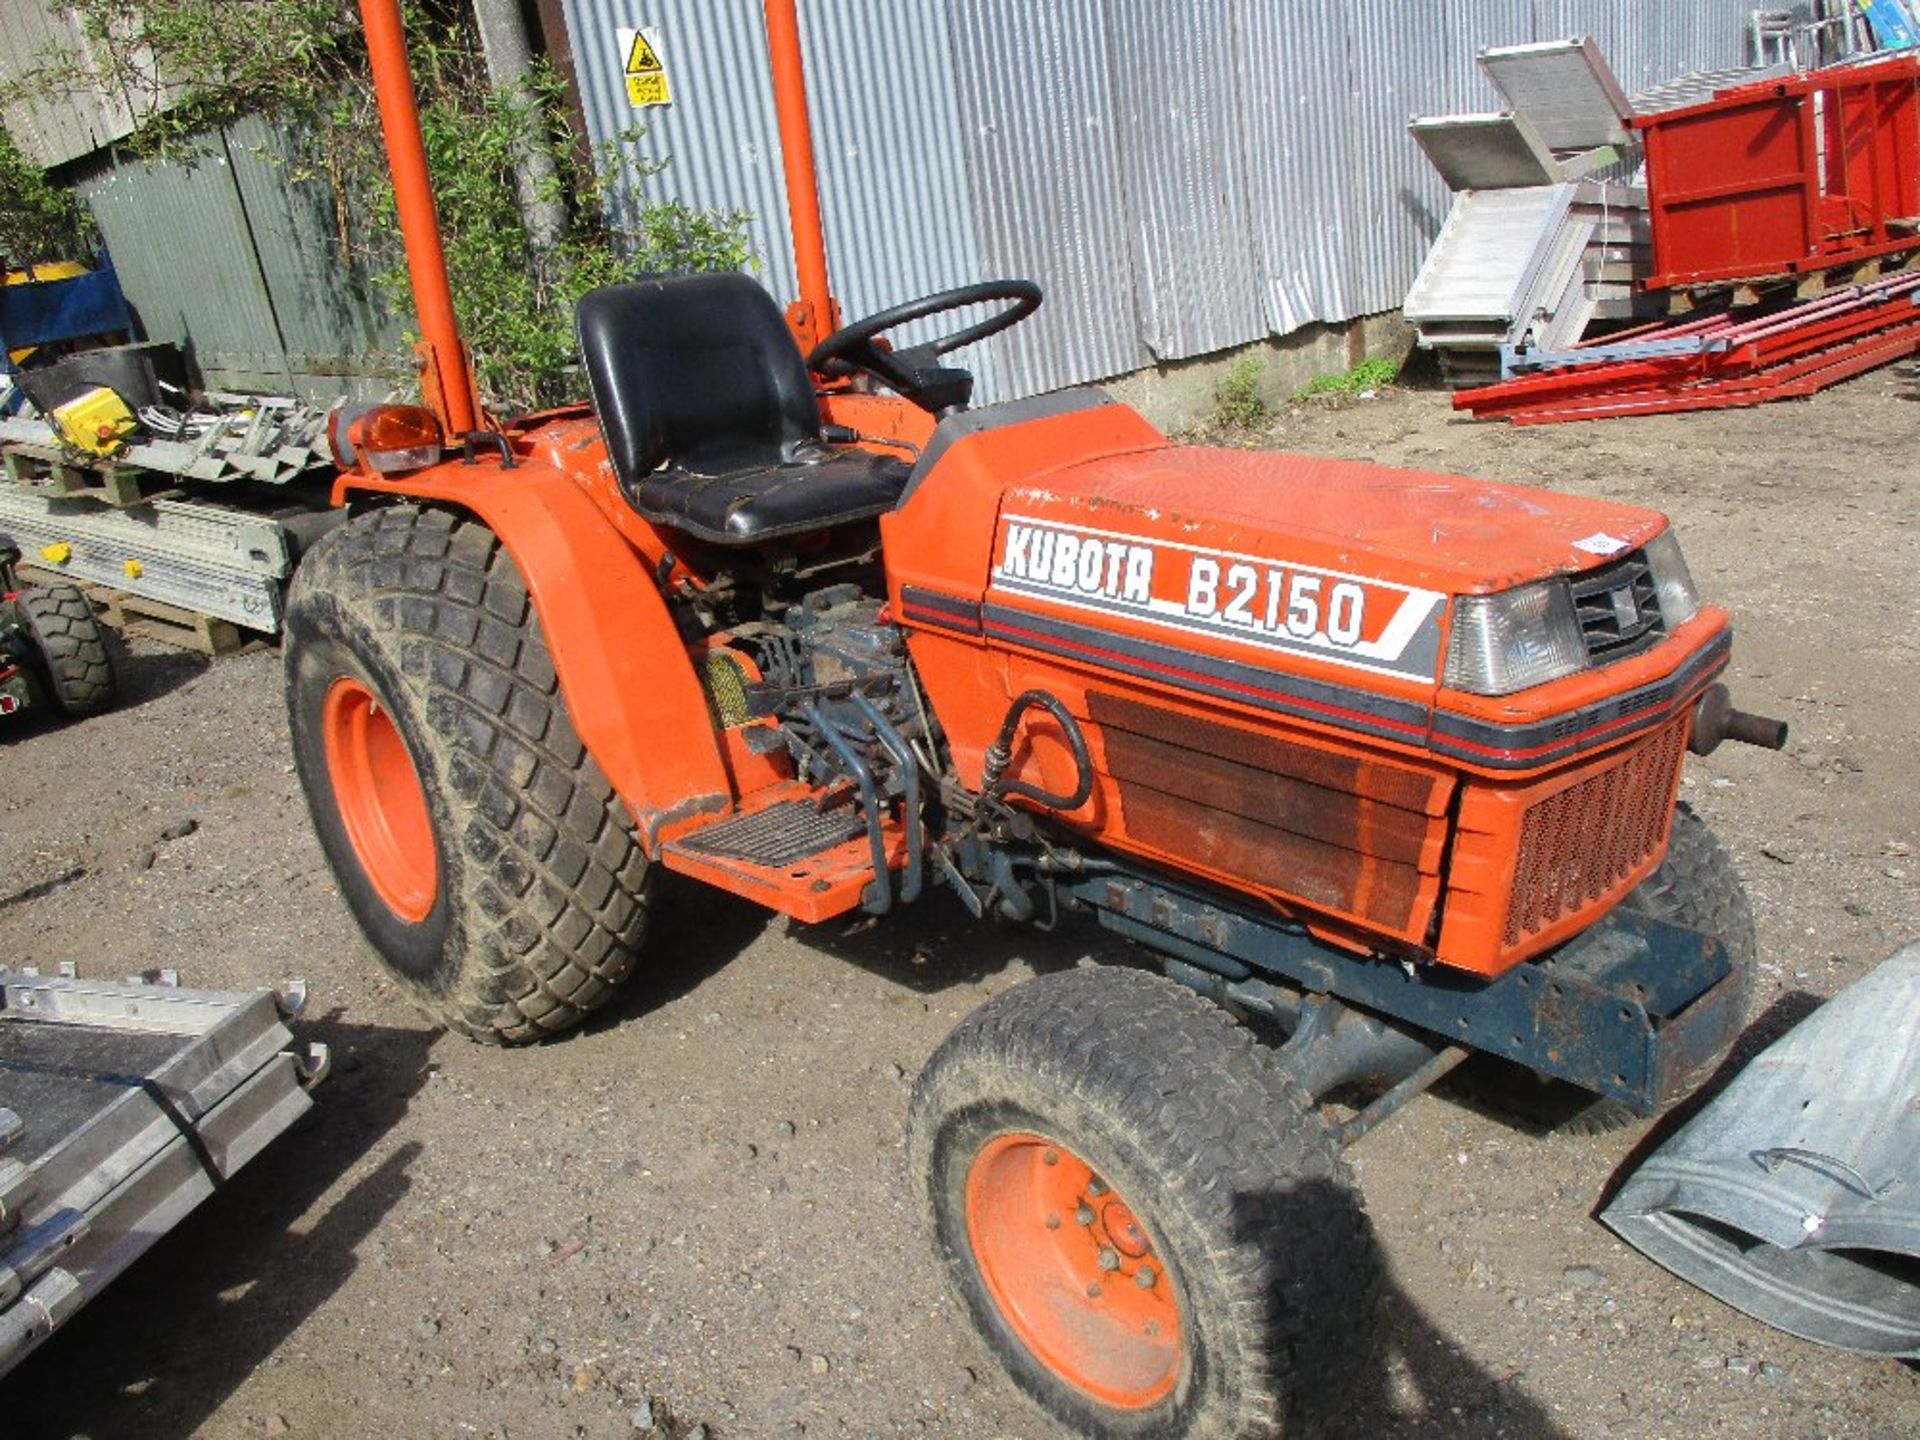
(1483,266)
(1565,90)
(1795,1194)
(122,1107)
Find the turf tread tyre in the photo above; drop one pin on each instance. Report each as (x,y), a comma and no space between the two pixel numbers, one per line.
(1211,1142)
(72,647)
(1697,886)
(543,886)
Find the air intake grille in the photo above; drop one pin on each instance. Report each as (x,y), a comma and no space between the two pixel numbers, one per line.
(1577,846)
(726,685)
(1619,608)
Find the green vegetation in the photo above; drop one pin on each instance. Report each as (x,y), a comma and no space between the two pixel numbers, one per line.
(186,66)
(38,220)
(1367,375)
(1237,401)
(516,299)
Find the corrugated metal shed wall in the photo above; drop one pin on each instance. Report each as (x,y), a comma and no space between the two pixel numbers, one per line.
(234,258)
(1181,175)
(52,131)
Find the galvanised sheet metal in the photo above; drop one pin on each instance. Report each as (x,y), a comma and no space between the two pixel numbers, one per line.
(1292,117)
(1392,195)
(1794,1195)
(1180,177)
(1043,162)
(53,129)
(886,119)
(1182,166)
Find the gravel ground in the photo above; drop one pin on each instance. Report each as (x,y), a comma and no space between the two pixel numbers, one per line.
(695,1213)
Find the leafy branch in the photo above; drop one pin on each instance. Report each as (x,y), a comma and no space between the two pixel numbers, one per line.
(186,66)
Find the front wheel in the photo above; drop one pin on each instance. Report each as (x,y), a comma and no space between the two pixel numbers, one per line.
(483,853)
(1142,1216)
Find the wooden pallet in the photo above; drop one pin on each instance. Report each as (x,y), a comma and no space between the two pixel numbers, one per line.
(1806,285)
(171,625)
(64,472)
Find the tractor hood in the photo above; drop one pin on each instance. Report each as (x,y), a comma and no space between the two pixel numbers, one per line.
(1436,532)
(1083,464)
(1074,506)
(1795,1194)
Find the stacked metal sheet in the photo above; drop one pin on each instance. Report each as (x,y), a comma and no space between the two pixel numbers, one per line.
(1536,247)
(126,1106)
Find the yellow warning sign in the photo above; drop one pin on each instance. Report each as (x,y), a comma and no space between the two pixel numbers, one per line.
(646,72)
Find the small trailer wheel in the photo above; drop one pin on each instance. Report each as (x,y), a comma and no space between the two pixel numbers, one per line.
(1142,1216)
(72,648)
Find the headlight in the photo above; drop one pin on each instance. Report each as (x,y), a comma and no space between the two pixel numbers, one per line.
(1671,580)
(1513,640)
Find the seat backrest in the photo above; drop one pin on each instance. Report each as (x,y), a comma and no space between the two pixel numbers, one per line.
(698,371)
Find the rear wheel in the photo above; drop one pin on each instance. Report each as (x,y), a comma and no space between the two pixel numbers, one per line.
(476,842)
(1697,886)
(1142,1216)
(72,648)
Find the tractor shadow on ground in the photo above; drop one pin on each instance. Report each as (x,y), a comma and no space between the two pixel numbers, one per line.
(161,1349)
(935,944)
(693,932)
(151,673)
(1394,1374)
(929,946)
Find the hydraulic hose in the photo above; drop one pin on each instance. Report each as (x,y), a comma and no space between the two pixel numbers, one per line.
(1000,755)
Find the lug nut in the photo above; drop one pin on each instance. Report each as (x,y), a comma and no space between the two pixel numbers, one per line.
(1109,1258)
(1096,1186)
(1051,1157)
(1093,1290)
(1084,1215)
(1053,1222)
(1144,1277)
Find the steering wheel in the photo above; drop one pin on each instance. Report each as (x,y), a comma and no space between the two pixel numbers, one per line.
(915,372)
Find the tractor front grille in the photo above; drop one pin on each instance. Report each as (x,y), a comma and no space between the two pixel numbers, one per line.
(1619,608)
(1580,844)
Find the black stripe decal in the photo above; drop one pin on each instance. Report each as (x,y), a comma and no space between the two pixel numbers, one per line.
(1485,743)
(1402,720)
(932,608)
(1602,723)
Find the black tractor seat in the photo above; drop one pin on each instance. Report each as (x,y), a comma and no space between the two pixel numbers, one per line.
(710,418)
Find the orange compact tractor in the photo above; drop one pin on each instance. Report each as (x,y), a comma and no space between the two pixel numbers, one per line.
(1378,768)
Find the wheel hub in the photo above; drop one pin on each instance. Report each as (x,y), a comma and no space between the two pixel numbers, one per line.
(1073,1272)
(383,805)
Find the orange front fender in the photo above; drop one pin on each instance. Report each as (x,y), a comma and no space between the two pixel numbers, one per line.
(628,681)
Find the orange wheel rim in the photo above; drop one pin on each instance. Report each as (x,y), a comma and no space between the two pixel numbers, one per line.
(383,805)
(1073,1272)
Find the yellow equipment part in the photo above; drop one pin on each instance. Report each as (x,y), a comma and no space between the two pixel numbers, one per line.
(95,421)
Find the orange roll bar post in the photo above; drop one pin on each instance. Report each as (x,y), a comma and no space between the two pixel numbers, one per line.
(448,383)
(816,315)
